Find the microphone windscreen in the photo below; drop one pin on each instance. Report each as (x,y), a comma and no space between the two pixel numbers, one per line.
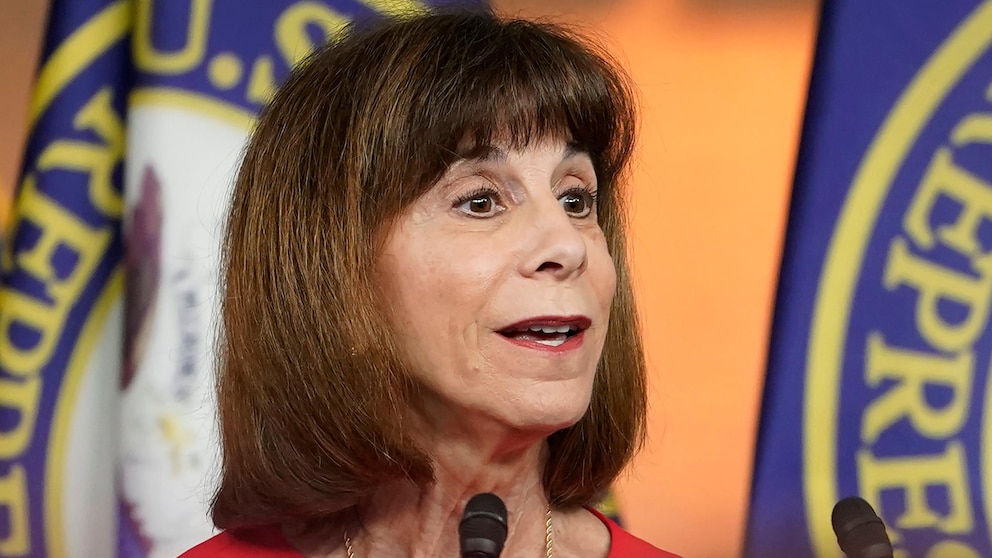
(482,530)
(860,532)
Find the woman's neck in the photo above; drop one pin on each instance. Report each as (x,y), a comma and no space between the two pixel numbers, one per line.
(469,457)
(406,520)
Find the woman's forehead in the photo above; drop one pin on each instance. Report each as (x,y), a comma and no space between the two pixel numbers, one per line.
(497,148)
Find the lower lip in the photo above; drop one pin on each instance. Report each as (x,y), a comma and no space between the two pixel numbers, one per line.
(570,344)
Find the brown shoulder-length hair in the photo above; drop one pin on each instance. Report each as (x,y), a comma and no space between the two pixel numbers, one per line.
(311,390)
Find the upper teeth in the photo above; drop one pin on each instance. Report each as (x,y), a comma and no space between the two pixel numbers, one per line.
(551,329)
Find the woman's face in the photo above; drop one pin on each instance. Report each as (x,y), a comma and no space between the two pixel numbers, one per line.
(499,283)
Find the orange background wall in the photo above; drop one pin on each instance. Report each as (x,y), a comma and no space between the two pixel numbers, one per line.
(722,84)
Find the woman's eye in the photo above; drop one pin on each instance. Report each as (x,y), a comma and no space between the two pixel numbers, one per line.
(578,202)
(479,204)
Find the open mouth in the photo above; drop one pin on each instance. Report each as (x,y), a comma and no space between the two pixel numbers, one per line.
(549,332)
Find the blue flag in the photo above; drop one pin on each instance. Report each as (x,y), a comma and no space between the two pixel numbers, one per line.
(108,291)
(60,287)
(878,381)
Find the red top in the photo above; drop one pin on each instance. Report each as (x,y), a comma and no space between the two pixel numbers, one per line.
(268,542)
(625,545)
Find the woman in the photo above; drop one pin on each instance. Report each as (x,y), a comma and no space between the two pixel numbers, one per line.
(426,298)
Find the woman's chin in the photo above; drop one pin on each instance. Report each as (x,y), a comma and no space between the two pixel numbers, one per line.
(546,418)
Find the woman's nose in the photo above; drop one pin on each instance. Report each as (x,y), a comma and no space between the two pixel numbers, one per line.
(556,247)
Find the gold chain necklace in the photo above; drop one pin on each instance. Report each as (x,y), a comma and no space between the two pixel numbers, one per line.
(549,541)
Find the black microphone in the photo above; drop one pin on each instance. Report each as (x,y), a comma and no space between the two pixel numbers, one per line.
(860,532)
(482,530)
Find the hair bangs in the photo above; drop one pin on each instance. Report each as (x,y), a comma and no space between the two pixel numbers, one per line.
(513,84)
